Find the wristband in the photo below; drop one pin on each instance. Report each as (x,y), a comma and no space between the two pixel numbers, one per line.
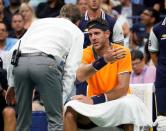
(98,99)
(99,63)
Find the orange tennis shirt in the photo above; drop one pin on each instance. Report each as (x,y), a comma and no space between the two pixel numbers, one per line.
(106,78)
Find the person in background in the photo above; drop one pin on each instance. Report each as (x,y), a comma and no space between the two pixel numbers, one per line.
(7,113)
(149,17)
(161,7)
(141,73)
(50,53)
(94,12)
(14,5)
(129,10)
(51,8)
(126,29)
(35,3)
(6,3)
(151,3)
(5,15)
(17,26)
(138,37)
(157,47)
(106,5)
(6,44)
(82,5)
(28,14)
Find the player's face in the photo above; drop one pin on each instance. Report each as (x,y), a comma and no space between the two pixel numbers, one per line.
(98,38)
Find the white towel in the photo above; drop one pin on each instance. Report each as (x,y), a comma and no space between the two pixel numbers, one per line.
(125,110)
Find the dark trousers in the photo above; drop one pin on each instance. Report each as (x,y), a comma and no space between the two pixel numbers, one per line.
(160,98)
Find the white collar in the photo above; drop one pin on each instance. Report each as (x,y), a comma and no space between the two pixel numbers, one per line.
(164,21)
(102,15)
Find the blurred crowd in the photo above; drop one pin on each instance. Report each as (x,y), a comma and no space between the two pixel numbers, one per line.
(135,16)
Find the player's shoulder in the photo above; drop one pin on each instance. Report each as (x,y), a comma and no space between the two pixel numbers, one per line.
(119,46)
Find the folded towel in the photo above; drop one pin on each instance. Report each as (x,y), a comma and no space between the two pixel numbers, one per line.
(125,110)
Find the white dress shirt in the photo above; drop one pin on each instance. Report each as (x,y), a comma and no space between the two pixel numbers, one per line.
(58,37)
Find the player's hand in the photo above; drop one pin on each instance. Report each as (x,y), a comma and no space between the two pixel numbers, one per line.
(82,98)
(111,55)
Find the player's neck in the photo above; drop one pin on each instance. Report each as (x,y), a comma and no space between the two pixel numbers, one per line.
(94,14)
(103,50)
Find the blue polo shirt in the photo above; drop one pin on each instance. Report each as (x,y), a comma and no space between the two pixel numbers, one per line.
(116,33)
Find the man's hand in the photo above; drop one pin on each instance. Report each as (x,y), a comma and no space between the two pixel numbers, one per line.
(10,96)
(111,55)
(82,98)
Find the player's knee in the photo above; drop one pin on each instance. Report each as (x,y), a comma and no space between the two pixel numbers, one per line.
(8,113)
(70,114)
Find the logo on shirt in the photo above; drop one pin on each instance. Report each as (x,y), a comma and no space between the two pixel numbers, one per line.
(163,37)
(86,31)
(164,22)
